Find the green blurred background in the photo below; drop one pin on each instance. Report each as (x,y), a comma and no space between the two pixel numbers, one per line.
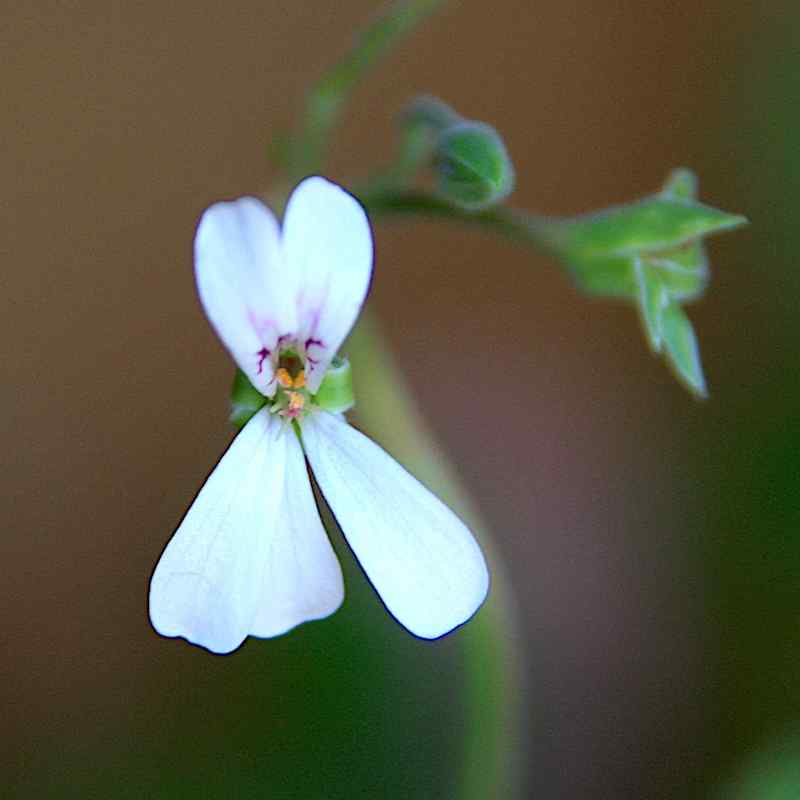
(651,645)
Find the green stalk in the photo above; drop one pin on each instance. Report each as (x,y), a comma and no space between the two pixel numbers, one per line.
(491,661)
(520,226)
(326,100)
(491,657)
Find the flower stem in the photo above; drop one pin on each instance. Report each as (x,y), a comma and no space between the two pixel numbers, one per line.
(491,668)
(327,98)
(491,659)
(541,232)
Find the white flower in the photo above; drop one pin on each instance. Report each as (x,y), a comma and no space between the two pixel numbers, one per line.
(251,557)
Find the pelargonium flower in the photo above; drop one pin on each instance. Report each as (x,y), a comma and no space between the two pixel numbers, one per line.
(251,557)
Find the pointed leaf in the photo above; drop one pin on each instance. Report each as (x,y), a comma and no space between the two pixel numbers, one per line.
(684,274)
(682,350)
(652,300)
(605,277)
(682,184)
(652,224)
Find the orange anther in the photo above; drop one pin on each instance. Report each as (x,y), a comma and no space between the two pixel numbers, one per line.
(284,378)
(300,380)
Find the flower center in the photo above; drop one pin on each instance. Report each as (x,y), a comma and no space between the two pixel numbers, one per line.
(291,397)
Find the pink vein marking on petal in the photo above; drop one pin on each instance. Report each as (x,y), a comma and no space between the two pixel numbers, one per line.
(311,342)
(263,354)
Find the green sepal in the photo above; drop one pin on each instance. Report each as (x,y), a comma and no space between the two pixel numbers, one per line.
(335,393)
(472,166)
(246,400)
(682,351)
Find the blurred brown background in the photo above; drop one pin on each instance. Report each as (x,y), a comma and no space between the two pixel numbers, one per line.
(592,465)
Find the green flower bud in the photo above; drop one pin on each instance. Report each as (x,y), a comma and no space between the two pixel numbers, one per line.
(472,166)
(469,160)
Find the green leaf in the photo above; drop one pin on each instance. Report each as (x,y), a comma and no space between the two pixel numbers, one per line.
(683,272)
(245,400)
(682,184)
(653,298)
(612,276)
(769,772)
(472,166)
(652,224)
(650,252)
(681,349)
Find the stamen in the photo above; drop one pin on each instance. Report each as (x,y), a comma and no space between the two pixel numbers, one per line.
(292,396)
(284,378)
(296,404)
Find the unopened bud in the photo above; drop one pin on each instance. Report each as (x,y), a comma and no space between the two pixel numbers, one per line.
(472,166)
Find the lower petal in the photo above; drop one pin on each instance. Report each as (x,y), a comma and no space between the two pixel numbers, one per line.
(302,580)
(422,560)
(207,584)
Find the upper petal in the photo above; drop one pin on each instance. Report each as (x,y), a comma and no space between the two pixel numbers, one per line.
(239,272)
(327,246)
(302,579)
(422,560)
(208,582)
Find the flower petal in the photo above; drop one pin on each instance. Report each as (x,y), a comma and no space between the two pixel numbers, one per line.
(207,585)
(303,579)
(239,272)
(422,560)
(327,246)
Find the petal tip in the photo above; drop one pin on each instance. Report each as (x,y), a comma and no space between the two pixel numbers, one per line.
(181,606)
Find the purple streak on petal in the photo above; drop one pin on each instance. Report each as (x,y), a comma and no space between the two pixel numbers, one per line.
(263,354)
